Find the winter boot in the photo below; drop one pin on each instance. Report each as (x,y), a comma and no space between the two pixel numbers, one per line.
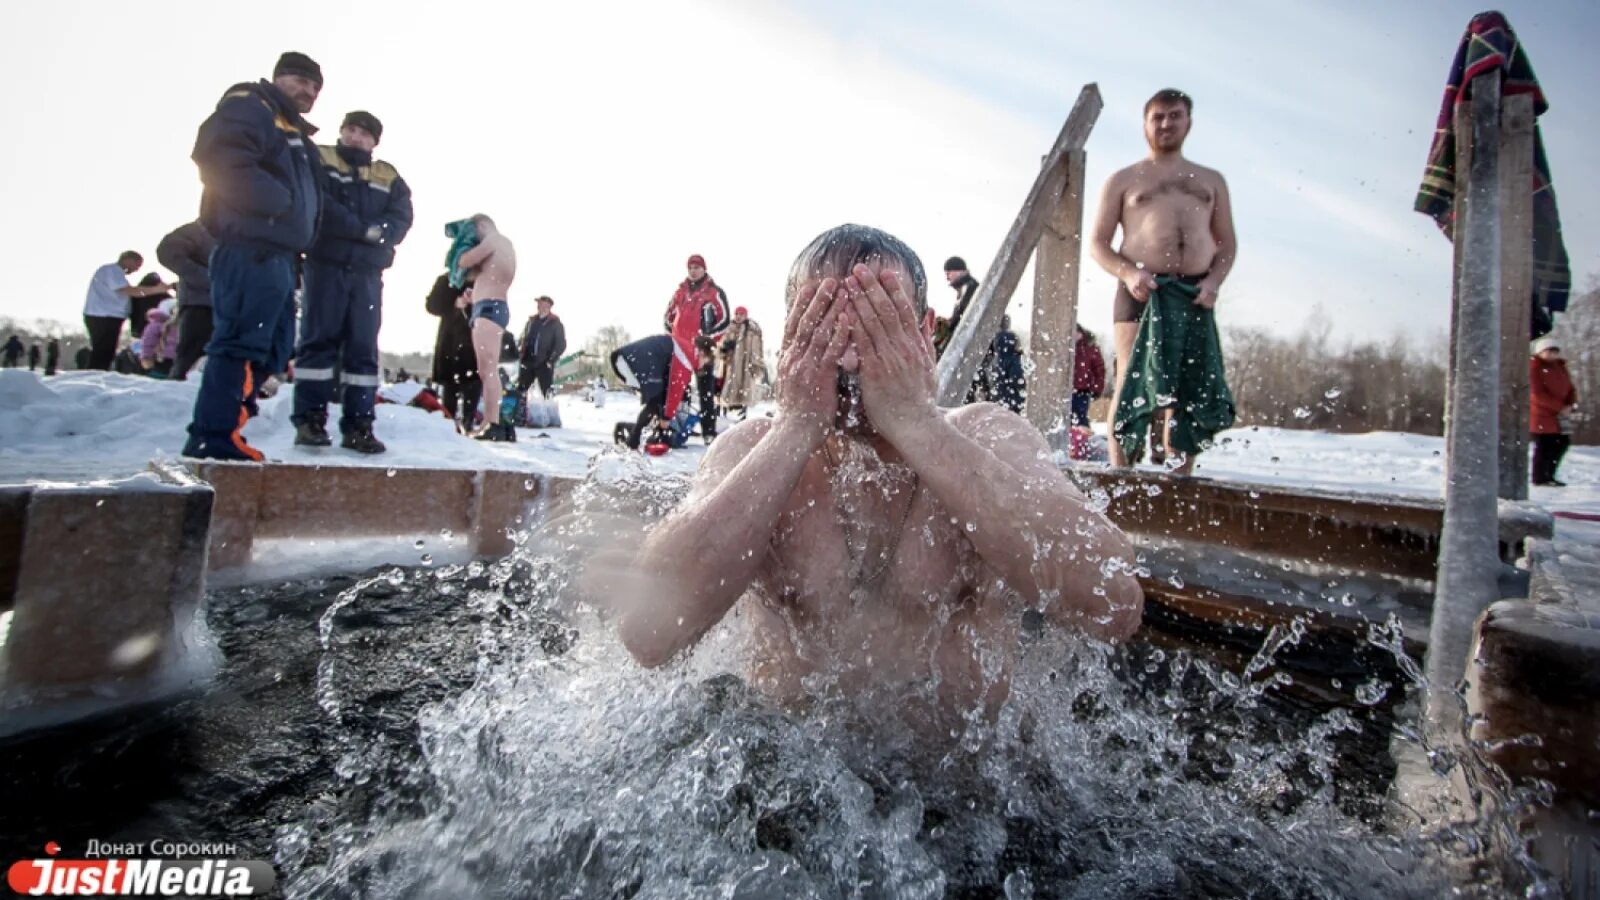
(312,431)
(219,413)
(359,437)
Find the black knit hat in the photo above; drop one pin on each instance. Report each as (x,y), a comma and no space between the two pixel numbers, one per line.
(955,264)
(295,63)
(364,120)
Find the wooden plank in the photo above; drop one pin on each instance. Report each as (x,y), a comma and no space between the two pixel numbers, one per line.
(323,501)
(238,488)
(1469,566)
(1463,129)
(13,524)
(982,319)
(1389,535)
(94,598)
(1516,289)
(279,500)
(1056,271)
(502,510)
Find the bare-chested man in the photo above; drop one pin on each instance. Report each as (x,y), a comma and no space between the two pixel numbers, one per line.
(490,265)
(871,539)
(1176,219)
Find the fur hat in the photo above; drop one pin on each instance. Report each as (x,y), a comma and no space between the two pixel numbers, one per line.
(1545,343)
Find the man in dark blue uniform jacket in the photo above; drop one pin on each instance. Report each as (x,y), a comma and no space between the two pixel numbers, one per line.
(366,212)
(262,200)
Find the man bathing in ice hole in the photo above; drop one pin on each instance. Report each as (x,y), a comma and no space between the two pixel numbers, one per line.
(872,535)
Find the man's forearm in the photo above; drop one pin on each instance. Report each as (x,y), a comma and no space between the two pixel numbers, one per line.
(701,579)
(1222,264)
(1026,528)
(1115,264)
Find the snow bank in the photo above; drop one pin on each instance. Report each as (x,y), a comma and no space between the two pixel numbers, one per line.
(97,425)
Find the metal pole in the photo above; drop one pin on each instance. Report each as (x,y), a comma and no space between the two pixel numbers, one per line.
(1469,558)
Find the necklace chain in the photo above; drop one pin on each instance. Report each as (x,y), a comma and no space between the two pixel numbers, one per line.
(892,549)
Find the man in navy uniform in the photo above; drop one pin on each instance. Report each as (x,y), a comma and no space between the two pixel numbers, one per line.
(262,200)
(367,211)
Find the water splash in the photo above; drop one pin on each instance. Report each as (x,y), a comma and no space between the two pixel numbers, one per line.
(565,770)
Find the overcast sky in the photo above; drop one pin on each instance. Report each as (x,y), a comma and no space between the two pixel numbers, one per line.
(612,140)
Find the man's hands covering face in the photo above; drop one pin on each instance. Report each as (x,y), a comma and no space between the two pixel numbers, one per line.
(814,338)
(896,356)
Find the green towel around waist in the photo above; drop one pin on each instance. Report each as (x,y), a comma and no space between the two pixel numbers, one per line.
(1176,363)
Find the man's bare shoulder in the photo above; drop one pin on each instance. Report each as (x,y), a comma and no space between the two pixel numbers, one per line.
(1008,436)
(1126,175)
(729,449)
(1206,172)
(986,422)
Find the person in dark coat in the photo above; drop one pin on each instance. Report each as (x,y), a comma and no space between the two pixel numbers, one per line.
(1551,395)
(186,250)
(139,307)
(965,286)
(1010,384)
(33,358)
(544,340)
(1088,375)
(706,387)
(366,211)
(52,356)
(262,199)
(13,352)
(455,362)
(644,364)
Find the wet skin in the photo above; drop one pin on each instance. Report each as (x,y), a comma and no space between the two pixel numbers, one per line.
(891,543)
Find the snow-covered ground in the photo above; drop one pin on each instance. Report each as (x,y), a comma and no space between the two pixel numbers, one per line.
(80,425)
(93,425)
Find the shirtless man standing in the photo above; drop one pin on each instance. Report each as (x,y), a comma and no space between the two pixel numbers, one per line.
(877,542)
(1176,219)
(490,267)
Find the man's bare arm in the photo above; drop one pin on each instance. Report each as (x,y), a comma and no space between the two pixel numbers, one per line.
(476,256)
(991,469)
(1106,220)
(742,487)
(744,483)
(1227,242)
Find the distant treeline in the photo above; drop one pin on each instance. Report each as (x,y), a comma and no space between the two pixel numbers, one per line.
(1396,384)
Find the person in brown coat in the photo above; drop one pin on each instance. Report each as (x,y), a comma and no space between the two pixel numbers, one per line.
(1552,394)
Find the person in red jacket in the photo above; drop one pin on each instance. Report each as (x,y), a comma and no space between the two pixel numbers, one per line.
(1088,375)
(1552,394)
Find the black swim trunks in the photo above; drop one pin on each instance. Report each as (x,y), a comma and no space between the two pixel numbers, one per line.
(1127,309)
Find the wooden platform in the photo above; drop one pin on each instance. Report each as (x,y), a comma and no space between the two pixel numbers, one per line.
(100,582)
(257,502)
(1535,695)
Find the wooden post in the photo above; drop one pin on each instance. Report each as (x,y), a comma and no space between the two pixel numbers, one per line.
(982,319)
(1463,129)
(1056,271)
(1469,560)
(1516,297)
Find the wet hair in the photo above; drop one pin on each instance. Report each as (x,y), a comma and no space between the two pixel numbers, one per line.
(131,254)
(1166,96)
(834,252)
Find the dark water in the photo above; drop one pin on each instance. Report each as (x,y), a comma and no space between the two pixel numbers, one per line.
(407,734)
(470,732)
